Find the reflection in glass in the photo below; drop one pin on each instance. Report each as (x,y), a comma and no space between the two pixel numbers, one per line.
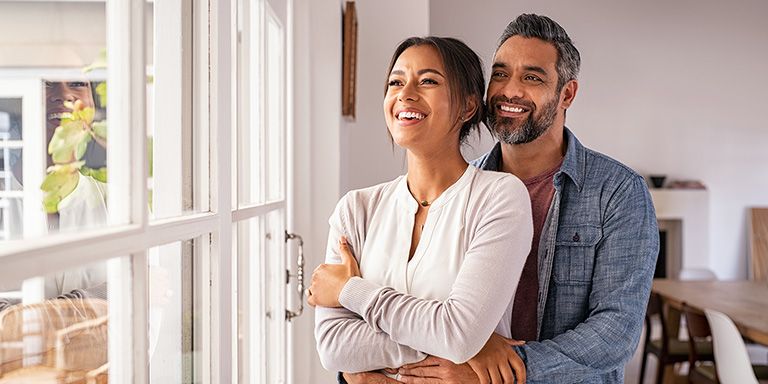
(10,168)
(53,114)
(54,328)
(76,183)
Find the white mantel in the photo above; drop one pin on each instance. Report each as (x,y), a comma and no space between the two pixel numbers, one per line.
(691,208)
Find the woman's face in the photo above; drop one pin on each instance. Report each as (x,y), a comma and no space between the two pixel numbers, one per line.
(417,106)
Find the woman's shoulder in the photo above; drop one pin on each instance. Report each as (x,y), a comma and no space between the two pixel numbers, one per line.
(499,182)
(368,198)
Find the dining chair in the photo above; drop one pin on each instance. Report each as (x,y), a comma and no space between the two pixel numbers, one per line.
(701,361)
(731,355)
(667,349)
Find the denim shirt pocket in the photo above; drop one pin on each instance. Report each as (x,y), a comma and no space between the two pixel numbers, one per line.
(575,253)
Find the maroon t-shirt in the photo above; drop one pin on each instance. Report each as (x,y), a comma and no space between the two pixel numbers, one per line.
(524,315)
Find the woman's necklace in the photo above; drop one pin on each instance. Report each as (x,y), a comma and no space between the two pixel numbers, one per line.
(424,203)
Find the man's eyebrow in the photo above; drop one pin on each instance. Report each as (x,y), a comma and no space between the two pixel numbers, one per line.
(420,72)
(537,69)
(532,68)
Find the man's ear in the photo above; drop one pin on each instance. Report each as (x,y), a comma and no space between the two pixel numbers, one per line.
(568,93)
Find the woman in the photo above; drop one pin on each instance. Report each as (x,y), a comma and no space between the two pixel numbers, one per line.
(440,249)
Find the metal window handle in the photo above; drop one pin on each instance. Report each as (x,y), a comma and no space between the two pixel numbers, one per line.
(289,315)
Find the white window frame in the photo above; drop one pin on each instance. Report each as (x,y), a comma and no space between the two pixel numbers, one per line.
(126,242)
(126,245)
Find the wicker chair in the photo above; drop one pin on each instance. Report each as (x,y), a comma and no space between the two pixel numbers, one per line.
(61,340)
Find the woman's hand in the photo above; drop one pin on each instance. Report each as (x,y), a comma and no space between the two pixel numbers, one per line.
(498,362)
(329,279)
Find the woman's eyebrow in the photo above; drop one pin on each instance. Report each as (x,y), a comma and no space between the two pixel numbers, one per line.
(420,72)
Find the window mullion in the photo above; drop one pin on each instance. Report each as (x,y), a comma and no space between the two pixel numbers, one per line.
(127,198)
(221,102)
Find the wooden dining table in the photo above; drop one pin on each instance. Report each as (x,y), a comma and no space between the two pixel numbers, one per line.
(745,302)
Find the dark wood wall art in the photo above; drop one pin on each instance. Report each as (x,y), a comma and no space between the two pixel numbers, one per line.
(349,62)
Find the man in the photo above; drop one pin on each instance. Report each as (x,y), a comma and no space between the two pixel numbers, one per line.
(56,94)
(582,297)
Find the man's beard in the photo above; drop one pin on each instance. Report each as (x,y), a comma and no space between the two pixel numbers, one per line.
(533,126)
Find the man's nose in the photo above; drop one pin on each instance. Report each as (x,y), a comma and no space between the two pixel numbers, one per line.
(513,89)
(61,94)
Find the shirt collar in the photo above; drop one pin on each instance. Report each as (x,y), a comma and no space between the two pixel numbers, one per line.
(574,162)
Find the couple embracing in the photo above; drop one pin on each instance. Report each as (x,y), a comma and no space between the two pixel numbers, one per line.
(531,264)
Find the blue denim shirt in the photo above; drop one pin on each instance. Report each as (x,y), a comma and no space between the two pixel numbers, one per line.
(597,255)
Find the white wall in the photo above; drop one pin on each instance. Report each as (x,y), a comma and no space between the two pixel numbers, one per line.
(333,154)
(367,155)
(56,36)
(669,87)
(316,154)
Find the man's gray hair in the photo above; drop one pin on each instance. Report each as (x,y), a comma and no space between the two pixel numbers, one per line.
(544,28)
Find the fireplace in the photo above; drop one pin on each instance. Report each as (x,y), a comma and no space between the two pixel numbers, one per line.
(670,249)
(683,218)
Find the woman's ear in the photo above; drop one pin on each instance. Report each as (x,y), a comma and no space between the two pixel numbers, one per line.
(470,109)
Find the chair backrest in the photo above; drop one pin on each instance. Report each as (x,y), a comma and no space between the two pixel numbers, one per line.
(731,356)
(28,332)
(697,274)
(698,330)
(758,243)
(82,346)
(656,307)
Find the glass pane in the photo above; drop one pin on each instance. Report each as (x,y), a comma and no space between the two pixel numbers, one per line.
(53,114)
(262,327)
(11,222)
(11,176)
(174,186)
(275,109)
(172,313)
(251,237)
(55,328)
(248,180)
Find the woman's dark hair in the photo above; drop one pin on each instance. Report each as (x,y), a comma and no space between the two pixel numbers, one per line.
(464,73)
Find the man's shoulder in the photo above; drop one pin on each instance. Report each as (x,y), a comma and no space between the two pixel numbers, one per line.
(607,182)
(601,168)
(489,161)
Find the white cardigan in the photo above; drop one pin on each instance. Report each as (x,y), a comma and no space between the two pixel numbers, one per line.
(457,289)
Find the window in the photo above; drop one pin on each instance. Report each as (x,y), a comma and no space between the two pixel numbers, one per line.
(260,183)
(158,214)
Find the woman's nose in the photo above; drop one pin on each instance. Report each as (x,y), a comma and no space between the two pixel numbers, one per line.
(408,93)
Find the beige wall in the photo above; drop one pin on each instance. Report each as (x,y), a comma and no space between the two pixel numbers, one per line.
(367,156)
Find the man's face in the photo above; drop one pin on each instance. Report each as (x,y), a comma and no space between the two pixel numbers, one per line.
(57,92)
(523,100)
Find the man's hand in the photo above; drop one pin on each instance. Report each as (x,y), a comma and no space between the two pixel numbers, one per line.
(329,279)
(368,378)
(434,370)
(496,363)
